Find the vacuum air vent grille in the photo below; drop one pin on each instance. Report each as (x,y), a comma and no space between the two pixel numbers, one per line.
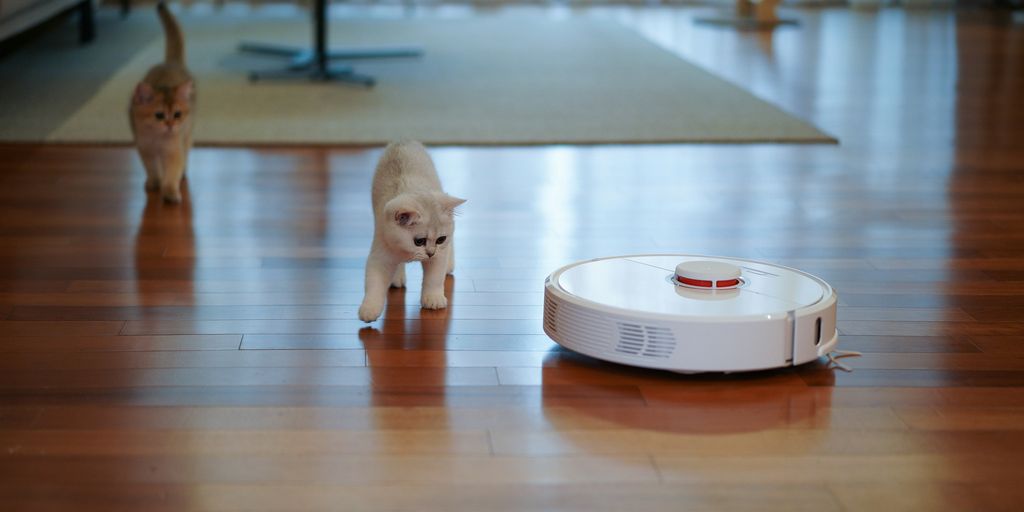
(575,327)
(550,314)
(645,340)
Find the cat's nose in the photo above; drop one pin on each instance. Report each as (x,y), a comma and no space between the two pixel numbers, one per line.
(430,254)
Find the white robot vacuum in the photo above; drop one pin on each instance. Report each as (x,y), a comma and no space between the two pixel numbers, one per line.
(689,313)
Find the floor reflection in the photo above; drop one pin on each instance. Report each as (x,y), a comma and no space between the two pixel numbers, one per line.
(401,351)
(164,227)
(712,403)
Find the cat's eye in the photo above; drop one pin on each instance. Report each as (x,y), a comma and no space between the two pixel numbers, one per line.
(441,240)
(177,115)
(160,116)
(420,242)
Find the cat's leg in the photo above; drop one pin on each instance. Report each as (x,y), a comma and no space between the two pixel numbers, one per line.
(152,164)
(170,183)
(451,257)
(398,280)
(379,271)
(434,271)
(188,149)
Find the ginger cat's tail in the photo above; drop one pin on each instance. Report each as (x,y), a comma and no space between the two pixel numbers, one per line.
(175,43)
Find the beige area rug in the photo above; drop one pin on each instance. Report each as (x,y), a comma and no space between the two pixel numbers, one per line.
(494,80)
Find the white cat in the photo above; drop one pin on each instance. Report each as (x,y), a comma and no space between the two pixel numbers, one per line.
(413,221)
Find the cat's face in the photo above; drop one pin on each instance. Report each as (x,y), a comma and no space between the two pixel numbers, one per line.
(421,225)
(161,111)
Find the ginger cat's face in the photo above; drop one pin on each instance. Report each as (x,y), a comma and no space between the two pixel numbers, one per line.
(161,112)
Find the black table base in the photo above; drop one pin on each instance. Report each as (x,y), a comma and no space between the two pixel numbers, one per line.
(315,63)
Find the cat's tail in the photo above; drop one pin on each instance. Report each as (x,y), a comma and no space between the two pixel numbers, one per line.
(175,45)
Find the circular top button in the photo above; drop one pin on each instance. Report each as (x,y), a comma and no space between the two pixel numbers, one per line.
(708,274)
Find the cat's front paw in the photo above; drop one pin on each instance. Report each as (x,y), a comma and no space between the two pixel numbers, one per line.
(370,310)
(152,184)
(171,195)
(434,300)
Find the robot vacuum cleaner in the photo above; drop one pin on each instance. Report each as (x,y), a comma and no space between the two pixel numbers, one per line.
(690,314)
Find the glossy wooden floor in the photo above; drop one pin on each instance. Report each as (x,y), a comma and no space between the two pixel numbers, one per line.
(208,357)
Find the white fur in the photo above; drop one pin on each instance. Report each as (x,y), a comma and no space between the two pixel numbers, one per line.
(408,203)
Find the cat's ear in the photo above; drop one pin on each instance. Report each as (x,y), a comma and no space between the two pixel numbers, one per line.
(405,217)
(449,203)
(184,92)
(143,94)
(403,210)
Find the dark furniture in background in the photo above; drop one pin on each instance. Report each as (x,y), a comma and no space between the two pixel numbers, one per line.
(17,17)
(315,63)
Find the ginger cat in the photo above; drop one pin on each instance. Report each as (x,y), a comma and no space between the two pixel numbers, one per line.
(413,221)
(161,114)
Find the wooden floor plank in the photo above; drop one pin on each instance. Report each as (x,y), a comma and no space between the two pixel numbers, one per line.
(860,469)
(966,418)
(428,498)
(294,312)
(75,343)
(122,360)
(374,339)
(84,328)
(248,376)
(928,496)
(439,326)
(910,344)
(62,443)
(431,394)
(604,410)
(759,443)
(322,468)
(1012,346)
